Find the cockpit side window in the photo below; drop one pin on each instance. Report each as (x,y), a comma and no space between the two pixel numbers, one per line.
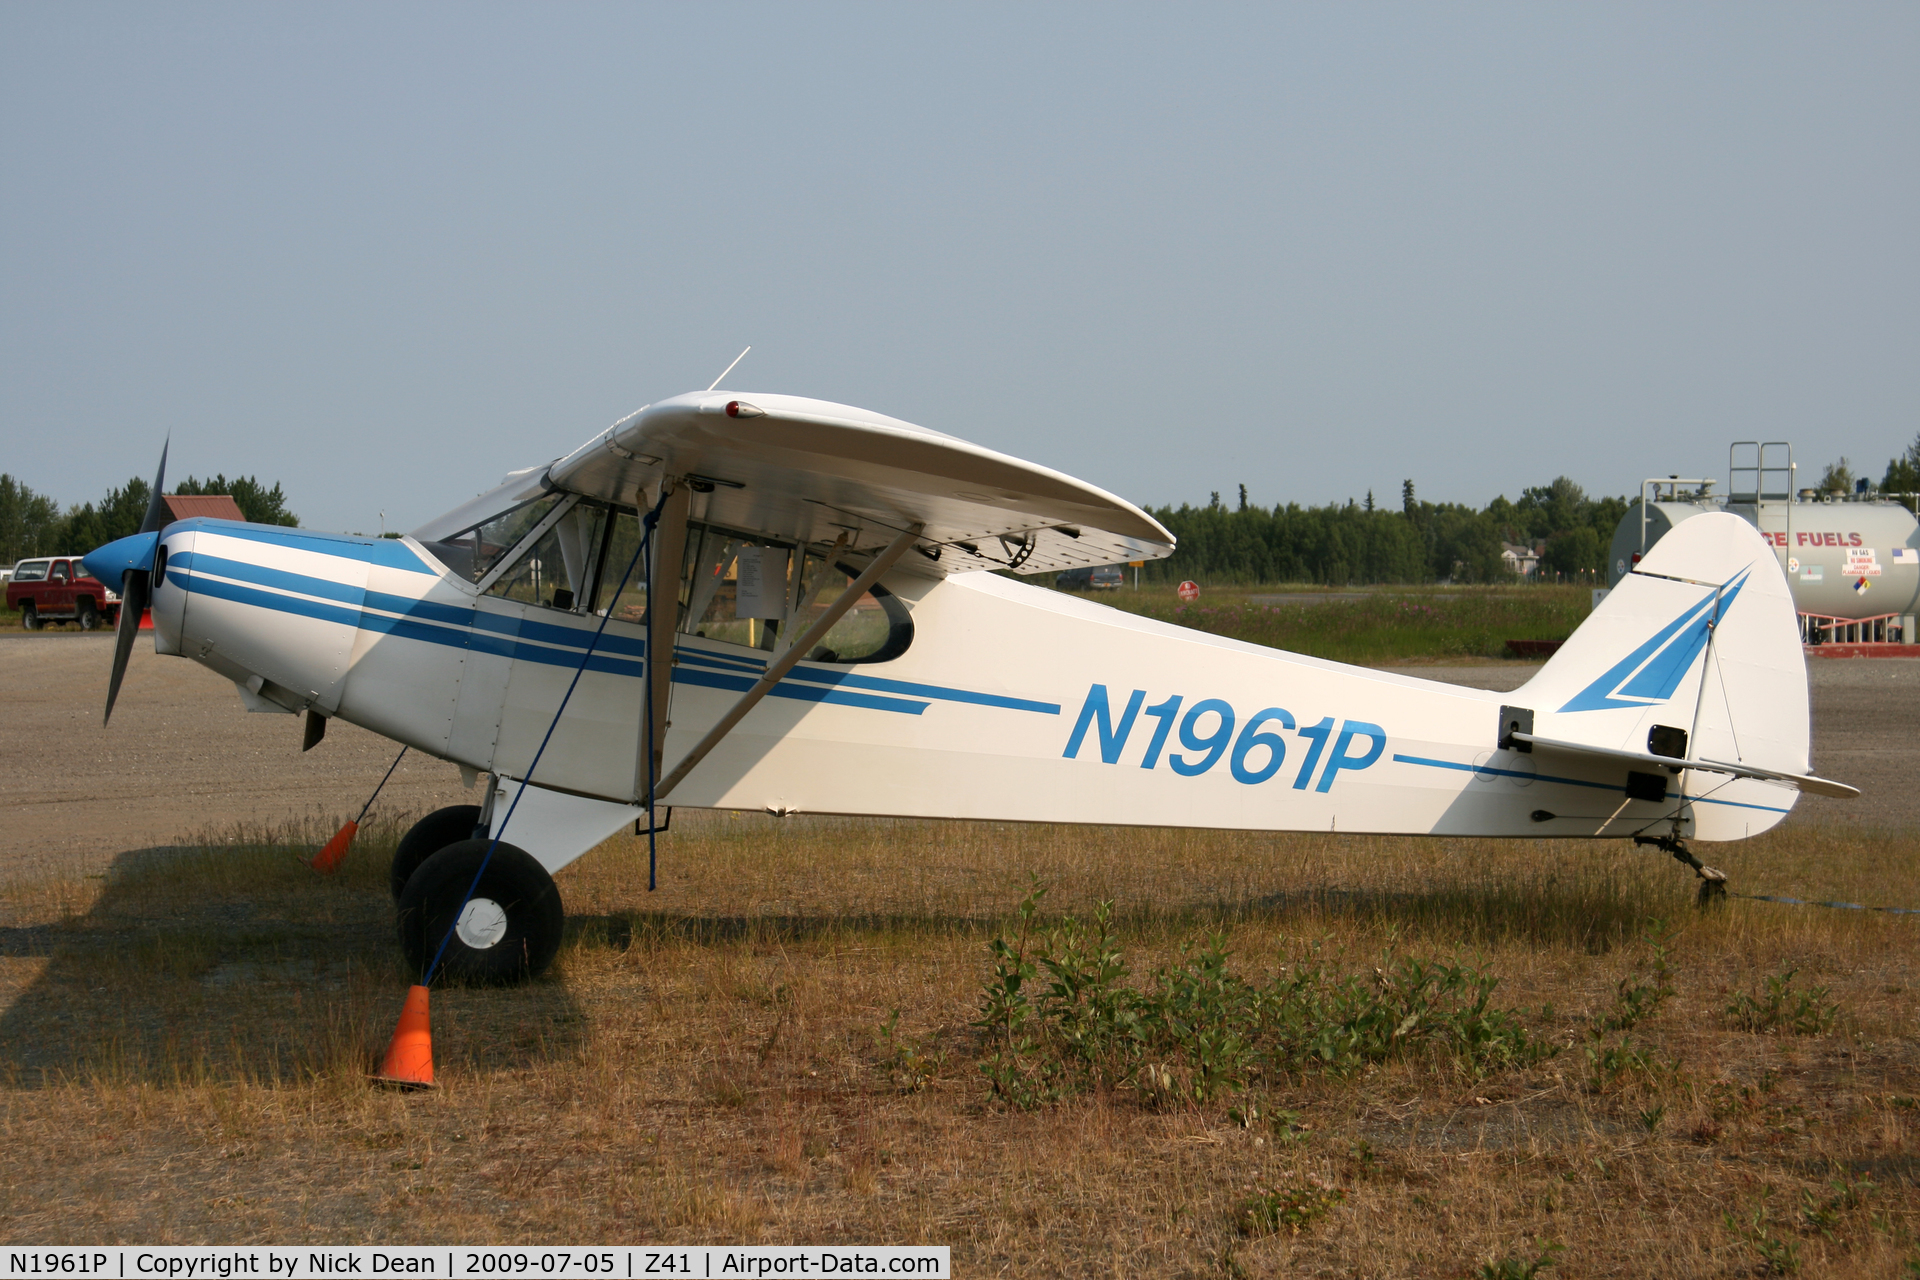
(558,568)
(620,584)
(473,552)
(736,588)
(582,561)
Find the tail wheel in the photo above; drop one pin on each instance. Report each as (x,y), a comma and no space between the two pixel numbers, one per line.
(506,932)
(88,617)
(30,617)
(429,836)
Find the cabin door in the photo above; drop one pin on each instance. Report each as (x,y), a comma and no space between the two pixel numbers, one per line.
(567,594)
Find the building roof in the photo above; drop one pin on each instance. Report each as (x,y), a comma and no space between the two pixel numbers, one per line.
(218,506)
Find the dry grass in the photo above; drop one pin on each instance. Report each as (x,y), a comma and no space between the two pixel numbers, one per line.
(183,1046)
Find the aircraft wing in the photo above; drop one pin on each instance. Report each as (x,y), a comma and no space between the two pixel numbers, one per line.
(1801,781)
(809,470)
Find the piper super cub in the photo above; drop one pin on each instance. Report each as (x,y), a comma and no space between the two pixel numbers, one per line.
(816,582)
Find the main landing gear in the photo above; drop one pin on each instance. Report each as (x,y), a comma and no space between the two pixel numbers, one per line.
(502,930)
(429,836)
(1713,884)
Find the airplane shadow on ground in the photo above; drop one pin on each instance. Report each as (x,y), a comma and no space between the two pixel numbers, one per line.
(178,976)
(1587,913)
(212,965)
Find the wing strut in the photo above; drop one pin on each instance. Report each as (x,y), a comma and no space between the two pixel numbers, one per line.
(786,661)
(663,617)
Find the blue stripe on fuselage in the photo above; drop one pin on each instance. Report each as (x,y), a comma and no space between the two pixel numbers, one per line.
(512,637)
(880,683)
(461,616)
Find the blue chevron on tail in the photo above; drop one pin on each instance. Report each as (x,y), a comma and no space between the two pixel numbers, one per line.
(1653,671)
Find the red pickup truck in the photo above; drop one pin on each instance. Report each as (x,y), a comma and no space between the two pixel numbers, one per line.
(58,589)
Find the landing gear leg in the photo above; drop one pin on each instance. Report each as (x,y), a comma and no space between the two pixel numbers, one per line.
(1713,883)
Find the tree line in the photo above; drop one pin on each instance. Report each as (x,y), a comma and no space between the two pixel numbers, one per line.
(1358,542)
(1362,542)
(32,524)
(1902,481)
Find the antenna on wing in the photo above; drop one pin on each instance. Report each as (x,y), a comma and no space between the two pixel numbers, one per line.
(729,369)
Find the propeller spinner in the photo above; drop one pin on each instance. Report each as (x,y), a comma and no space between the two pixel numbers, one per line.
(129,560)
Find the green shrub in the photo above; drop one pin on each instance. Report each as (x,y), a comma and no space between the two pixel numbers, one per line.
(1778,1256)
(1780,1007)
(1514,1267)
(1060,1017)
(1292,1208)
(1645,986)
(909,1064)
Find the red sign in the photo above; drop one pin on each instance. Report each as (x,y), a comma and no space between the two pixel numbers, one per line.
(1189,591)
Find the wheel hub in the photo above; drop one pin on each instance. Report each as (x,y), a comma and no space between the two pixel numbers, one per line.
(482,924)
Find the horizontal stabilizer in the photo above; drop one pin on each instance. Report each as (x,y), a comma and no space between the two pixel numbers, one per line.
(1801,781)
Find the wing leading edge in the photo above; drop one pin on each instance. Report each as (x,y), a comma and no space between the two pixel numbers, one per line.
(810,470)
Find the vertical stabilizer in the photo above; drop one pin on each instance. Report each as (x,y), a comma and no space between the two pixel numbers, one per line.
(1696,652)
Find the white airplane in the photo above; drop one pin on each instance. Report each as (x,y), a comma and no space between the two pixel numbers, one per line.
(839,645)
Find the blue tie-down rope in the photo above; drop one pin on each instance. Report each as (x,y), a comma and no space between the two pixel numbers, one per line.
(651,519)
(1842,906)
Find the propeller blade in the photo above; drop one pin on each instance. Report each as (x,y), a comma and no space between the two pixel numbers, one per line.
(136,554)
(135,587)
(156,509)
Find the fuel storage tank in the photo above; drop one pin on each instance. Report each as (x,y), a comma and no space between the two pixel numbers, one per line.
(1846,559)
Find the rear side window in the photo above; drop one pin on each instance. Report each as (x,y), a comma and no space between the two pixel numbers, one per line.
(30,571)
(877,629)
(751,591)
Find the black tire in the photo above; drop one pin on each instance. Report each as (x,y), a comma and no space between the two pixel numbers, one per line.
(88,616)
(514,890)
(429,836)
(30,617)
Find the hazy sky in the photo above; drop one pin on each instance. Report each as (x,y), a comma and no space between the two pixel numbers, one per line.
(385,253)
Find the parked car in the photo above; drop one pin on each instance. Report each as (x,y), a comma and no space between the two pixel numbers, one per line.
(1106,577)
(59,589)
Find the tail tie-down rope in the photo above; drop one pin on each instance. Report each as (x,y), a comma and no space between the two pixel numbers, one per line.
(651,519)
(1807,902)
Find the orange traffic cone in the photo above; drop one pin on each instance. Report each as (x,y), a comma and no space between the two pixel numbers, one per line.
(335,849)
(409,1060)
(146,620)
